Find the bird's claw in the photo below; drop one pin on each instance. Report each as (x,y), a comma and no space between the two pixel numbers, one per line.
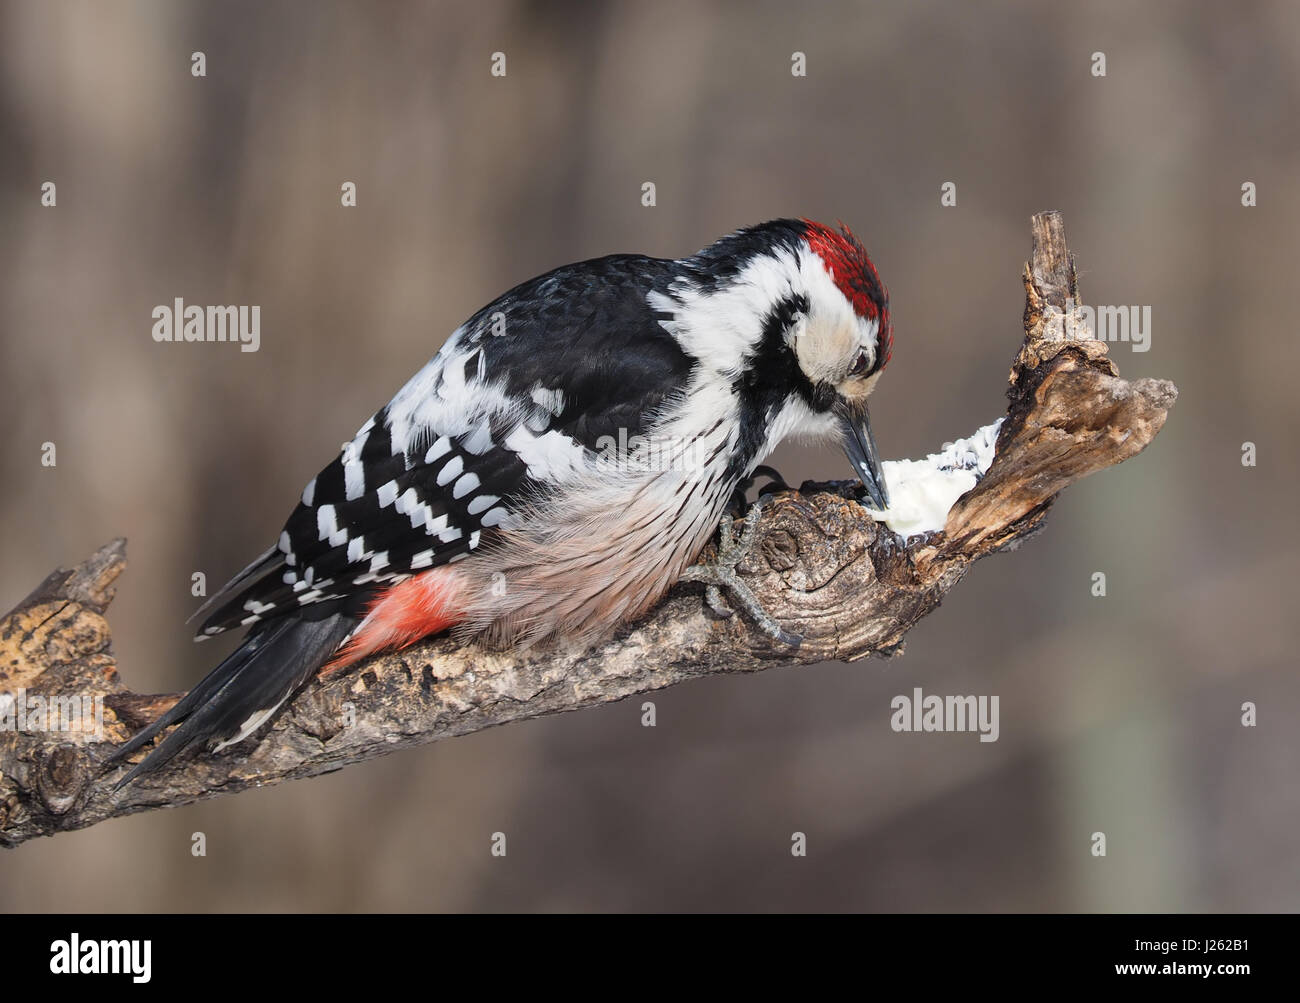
(775,482)
(722,574)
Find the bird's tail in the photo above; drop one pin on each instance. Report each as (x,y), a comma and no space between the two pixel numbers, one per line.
(241,693)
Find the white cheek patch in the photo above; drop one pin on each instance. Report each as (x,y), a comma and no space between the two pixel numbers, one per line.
(921,492)
(826,349)
(834,334)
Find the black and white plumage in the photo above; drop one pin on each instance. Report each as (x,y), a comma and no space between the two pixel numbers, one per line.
(559,462)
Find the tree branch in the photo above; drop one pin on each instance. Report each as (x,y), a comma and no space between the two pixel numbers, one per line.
(821,565)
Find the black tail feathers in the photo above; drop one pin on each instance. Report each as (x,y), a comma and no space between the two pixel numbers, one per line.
(241,693)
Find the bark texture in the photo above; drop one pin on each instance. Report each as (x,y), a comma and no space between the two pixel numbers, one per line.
(820,565)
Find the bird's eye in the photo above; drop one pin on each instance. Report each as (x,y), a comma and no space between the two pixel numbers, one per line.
(860,364)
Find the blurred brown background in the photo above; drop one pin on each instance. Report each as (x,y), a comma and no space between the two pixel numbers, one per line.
(1119,714)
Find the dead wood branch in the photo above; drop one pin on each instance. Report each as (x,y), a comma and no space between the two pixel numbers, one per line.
(822,567)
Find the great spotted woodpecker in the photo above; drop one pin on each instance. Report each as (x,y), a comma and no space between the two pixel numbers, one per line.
(554,469)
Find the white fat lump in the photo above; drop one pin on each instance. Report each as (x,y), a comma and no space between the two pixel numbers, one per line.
(922,491)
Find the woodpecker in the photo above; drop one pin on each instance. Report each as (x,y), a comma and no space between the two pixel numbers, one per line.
(556,466)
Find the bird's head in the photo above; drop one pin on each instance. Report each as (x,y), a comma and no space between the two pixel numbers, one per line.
(796,313)
(843,341)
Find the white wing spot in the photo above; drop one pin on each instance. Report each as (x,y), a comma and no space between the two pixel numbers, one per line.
(478,440)
(450,471)
(421,515)
(552,400)
(326,521)
(354,479)
(464,485)
(550,457)
(409,500)
(439,449)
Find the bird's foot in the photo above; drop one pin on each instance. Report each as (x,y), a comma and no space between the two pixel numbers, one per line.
(775,482)
(722,574)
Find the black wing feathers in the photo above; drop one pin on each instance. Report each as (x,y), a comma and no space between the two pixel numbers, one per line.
(584,330)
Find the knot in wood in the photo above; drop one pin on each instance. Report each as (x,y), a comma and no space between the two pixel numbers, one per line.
(61,776)
(779,549)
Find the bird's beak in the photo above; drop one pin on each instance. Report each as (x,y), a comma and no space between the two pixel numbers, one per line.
(860,447)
